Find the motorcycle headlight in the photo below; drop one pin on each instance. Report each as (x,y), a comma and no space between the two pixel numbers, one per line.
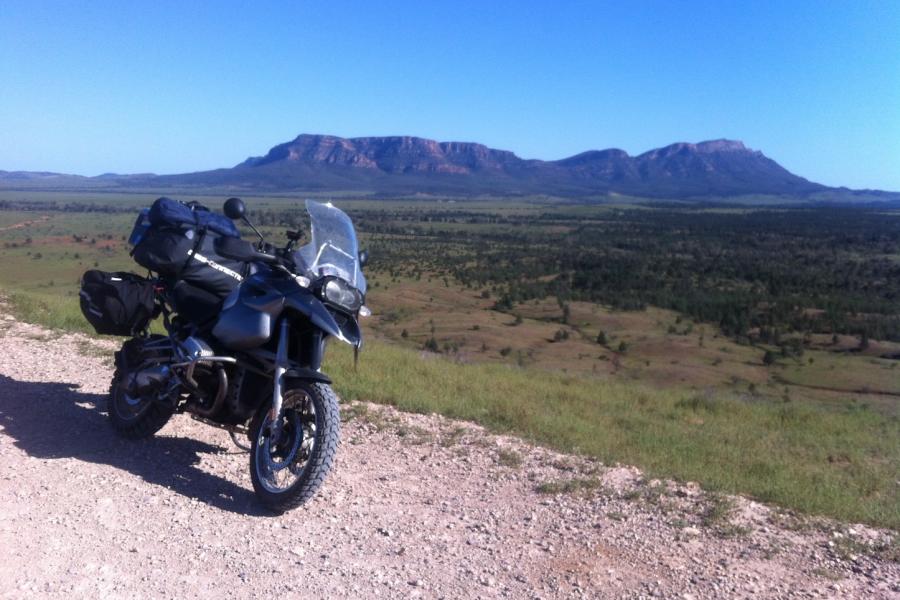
(341,293)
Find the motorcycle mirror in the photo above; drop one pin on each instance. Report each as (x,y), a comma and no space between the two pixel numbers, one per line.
(363,258)
(234,208)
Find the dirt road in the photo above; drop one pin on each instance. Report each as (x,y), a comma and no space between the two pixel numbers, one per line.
(418,506)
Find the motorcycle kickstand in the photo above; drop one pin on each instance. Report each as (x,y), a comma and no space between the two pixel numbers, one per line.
(238,443)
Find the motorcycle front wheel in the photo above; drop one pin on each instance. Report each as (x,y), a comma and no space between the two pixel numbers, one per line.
(289,468)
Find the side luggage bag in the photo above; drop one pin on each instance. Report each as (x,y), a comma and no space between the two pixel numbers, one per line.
(117,303)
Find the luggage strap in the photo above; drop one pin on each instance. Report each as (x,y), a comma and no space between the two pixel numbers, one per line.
(193,251)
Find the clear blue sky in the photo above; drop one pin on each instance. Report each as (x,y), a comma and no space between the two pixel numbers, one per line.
(91,87)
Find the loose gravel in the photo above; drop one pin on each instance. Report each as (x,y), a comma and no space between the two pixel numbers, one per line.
(418,506)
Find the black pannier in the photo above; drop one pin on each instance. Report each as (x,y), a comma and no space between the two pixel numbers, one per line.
(117,303)
(176,241)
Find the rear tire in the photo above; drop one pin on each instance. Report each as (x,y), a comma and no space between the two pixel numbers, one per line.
(132,421)
(314,446)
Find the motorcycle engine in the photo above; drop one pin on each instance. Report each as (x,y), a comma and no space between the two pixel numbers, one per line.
(149,380)
(205,385)
(208,383)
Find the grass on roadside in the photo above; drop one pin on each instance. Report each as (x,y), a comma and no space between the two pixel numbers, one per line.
(569,486)
(51,310)
(509,458)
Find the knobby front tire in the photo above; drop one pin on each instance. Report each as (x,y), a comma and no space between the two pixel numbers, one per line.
(320,459)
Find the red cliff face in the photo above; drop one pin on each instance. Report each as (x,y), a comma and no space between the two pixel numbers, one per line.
(400,154)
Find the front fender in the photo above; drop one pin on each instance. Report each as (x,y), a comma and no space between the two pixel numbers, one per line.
(350,330)
(306,303)
(304,374)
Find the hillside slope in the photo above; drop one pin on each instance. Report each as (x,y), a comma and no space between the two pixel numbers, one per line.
(418,506)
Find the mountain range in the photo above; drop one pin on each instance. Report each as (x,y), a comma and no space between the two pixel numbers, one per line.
(410,166)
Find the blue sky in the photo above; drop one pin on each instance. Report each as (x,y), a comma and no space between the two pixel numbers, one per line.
(181,86)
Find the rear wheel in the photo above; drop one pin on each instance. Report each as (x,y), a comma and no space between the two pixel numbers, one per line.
(287,471)
(134,417)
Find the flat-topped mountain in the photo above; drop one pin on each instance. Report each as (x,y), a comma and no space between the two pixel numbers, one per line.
(389,154)
(411,165)
(405,165)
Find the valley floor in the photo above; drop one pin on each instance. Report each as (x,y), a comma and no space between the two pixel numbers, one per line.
(417,506)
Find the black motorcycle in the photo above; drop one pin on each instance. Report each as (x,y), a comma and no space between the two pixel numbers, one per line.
(247,325)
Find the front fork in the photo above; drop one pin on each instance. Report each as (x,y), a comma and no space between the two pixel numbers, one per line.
(281,365)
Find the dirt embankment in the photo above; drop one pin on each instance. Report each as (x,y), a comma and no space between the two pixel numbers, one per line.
(418,506)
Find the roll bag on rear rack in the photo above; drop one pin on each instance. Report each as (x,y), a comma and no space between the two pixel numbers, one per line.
(175,240)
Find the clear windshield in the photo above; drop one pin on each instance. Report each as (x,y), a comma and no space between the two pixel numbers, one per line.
(333,249)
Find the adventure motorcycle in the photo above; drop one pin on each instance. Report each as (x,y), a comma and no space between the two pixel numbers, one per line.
(247,325)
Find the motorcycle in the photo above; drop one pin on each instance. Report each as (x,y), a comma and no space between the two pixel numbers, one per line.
(251,363)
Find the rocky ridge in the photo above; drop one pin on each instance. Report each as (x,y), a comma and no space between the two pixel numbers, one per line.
(724,167)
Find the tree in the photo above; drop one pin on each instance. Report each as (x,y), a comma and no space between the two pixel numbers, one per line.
(768,358)
(601,338)
(504,303)
(623,347)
